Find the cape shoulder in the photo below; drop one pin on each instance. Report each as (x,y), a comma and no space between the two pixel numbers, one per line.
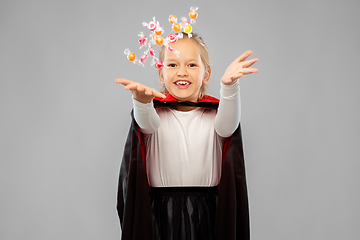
(206,102)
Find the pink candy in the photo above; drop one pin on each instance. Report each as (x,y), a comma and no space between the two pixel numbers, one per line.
(151,51)
(185,22)
(159,64)
(172,38)
(152,25)
(143,40)
(156,38)
(144,58)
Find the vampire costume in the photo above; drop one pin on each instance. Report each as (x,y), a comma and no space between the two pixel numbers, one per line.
(133,200)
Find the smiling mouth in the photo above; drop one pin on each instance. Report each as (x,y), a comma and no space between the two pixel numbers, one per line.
(182,83)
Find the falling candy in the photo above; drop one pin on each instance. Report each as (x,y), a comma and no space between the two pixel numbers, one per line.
(144,58)
(187,28)
(159,40)
(158,31)
(143,39)
(172,19)
(152,25)
(171,49)
(185,22)
(177,27)
(172,38)
(156,37)
(151,51)
(131,56)
(159,64)
(193,14)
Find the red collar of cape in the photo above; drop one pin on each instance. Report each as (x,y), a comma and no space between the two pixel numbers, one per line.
(206,101)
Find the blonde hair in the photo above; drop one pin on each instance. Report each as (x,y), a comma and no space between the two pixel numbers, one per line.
(204,55)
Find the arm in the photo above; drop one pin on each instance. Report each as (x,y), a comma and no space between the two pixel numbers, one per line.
(228,116)
(146,116)
(229,112)
(144,112)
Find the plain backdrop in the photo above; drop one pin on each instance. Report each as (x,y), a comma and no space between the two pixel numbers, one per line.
(63,120)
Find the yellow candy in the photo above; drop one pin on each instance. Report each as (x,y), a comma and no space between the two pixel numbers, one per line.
(131,56)
(176,27)
(193,14)
(159,40)
(187,29)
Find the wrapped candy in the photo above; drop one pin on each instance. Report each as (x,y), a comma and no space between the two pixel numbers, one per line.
(158,31)
(187,29)
(159,64)
(159,40)
(177,27)
(152,25)
(143,39)
(155,38)
(171,49)
(144,58)
(151,51)
(131,56)
(193,14)
(172,19)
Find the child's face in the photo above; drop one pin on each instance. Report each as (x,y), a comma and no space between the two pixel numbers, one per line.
(183,76)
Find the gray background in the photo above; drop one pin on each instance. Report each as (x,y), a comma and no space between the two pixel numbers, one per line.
(63,120)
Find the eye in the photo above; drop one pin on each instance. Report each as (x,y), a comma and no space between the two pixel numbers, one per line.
(192,65)
(172,65)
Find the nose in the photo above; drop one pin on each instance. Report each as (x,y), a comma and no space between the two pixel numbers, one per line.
(182,72)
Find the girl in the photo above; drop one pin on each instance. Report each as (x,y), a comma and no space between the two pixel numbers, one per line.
(182,175)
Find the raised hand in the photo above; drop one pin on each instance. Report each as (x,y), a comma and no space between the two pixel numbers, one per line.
(238,68)
(140,92)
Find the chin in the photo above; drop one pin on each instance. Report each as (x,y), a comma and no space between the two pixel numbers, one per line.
(184,97)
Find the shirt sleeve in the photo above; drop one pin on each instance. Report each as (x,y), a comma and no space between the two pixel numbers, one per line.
(146,116)
(229,112)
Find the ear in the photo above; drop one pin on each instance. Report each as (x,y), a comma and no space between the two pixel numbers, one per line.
(207,76)
(161,78)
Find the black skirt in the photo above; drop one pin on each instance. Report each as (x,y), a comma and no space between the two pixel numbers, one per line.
(183,213)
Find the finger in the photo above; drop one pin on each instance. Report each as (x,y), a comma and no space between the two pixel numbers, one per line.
(155,93)
(244,56)
(249,70)
(131,86)
(140,88)
(123,81)
(236,76)
(250,62)
(158,94)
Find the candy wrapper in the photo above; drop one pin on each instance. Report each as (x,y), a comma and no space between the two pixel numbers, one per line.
(156,38)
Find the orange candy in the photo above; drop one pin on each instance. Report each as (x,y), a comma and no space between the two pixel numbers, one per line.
(158,31)
(176,27)
(172,19)
(193,14)
(159,40)
(131,56)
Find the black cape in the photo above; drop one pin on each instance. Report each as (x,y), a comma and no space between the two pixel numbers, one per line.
(133,202)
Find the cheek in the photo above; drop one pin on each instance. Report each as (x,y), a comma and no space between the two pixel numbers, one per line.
(168,73)
(200,75)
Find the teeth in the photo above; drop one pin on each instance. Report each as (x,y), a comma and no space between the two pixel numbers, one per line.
(182,83)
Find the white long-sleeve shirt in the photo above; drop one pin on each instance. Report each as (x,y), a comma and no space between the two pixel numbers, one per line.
(185,148)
